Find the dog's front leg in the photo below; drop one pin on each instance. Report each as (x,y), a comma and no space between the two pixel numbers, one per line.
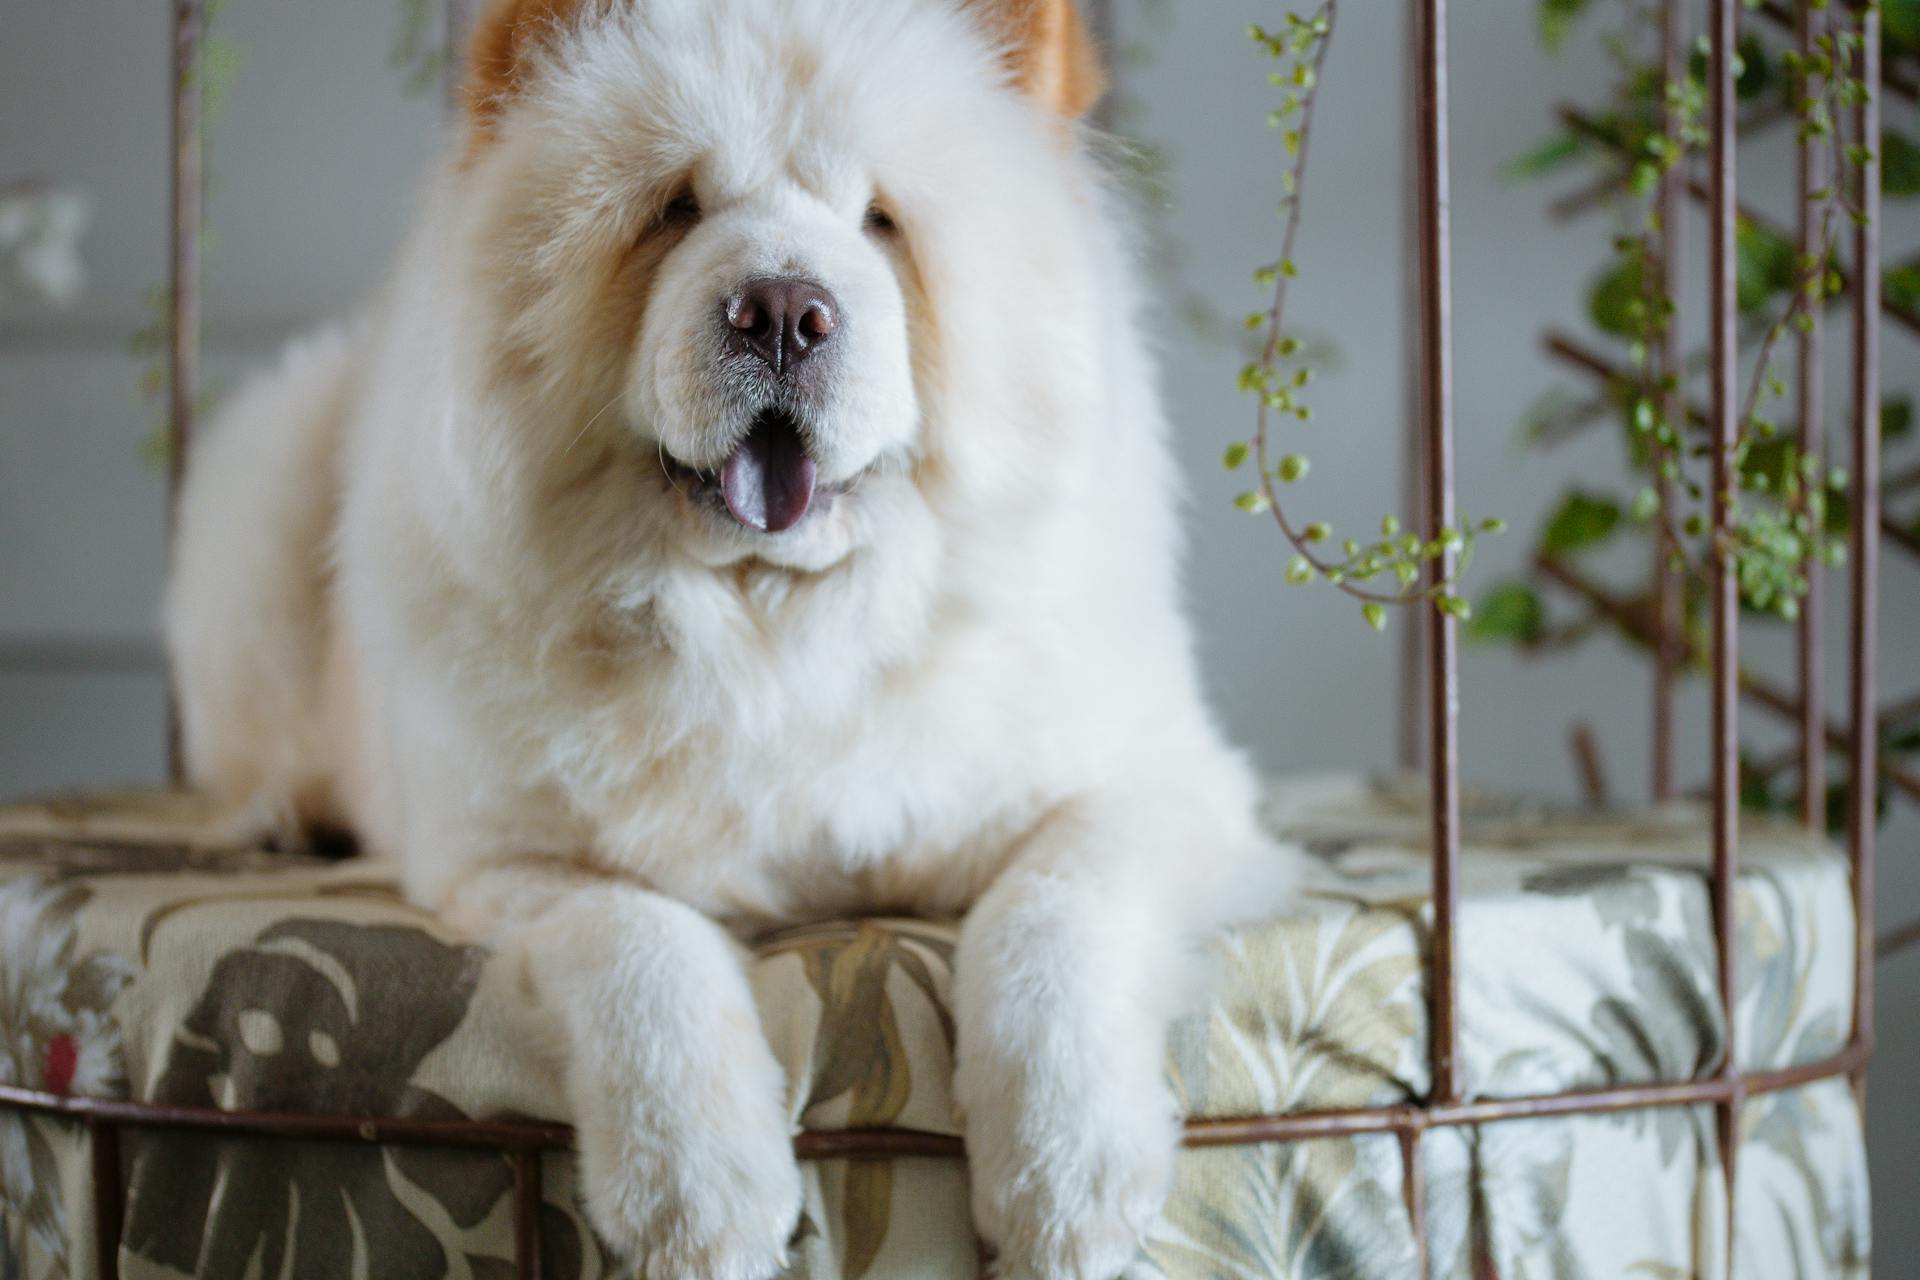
(1066,977)
(686,1151)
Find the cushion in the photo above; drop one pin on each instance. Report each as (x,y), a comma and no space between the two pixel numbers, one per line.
(143,956)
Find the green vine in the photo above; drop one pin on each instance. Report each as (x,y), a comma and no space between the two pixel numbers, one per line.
(1279,376)
(1777,515)
(216,65)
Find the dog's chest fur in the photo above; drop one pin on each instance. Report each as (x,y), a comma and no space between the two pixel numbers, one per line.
(782,774)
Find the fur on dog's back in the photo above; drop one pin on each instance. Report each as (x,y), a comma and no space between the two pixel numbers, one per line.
(266,701)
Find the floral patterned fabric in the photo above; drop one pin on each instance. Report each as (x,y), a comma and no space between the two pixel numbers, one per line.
(142,956)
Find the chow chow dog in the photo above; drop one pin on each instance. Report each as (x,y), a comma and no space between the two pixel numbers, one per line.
(748,501)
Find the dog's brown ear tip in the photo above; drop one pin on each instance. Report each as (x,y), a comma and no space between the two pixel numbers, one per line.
(1053,51)
(504,35)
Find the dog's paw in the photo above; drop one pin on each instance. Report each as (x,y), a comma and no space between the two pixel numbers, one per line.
(695,1202)
(1071,1195)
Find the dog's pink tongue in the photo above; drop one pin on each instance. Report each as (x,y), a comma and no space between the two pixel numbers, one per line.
(768,482)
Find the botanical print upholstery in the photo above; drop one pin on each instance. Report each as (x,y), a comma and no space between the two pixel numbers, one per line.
(142,955)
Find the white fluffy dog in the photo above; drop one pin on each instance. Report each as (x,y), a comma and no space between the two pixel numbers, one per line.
(748,503)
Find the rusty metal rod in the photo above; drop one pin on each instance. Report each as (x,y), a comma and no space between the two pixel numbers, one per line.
(528,1260)
(1443,675)
(1414,1190)
(1588,765)
(1598,1101)
(109,1217)
(380,1130)
(184,218)
(1864,743)
(507,1137)
(1410,720)
(1723,36)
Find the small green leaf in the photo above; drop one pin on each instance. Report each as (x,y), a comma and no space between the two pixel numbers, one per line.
(1293,467)
(1903,287)
(1375,614)
(1900,159)
(1509,613)
(1770,463)
(1902,18)
(1896,418)
(1252,502)
(1556,20)
(1235,456)
(1583,520)
(1764,264)
(1616,303)
(1542,158)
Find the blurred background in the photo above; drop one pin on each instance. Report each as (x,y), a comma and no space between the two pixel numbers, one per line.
(316,156)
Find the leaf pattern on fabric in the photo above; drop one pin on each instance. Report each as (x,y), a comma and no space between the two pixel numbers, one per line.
(262,981)
(329,1018)
(1512,1189)
(1324,1210)
(1313,1013)
(1791,1144)
(860,1055)
(56,1036)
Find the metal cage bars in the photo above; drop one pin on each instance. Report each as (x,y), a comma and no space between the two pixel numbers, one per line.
(523,1144)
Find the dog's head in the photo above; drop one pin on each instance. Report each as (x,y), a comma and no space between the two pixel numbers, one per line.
(725,240)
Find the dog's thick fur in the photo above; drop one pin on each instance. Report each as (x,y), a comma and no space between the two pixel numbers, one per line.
(440,579)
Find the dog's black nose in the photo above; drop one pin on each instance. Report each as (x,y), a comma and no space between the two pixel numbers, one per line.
(781,321)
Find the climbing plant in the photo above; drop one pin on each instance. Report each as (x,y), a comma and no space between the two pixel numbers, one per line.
(1384,567)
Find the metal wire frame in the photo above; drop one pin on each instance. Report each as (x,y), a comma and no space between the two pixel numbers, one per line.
(1669,598)
(524,1144)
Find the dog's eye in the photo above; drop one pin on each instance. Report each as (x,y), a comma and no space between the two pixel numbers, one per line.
(682,211)
(879,222)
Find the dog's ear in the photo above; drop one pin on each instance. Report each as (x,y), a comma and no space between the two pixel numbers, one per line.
(1052,51)
(504,37)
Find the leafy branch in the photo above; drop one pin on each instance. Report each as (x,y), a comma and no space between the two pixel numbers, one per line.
(1279,377)
(1790,511)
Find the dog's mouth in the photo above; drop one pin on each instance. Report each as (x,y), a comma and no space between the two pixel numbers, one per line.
(768,483)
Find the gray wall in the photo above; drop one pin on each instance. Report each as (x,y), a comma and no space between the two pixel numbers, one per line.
(315,164)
